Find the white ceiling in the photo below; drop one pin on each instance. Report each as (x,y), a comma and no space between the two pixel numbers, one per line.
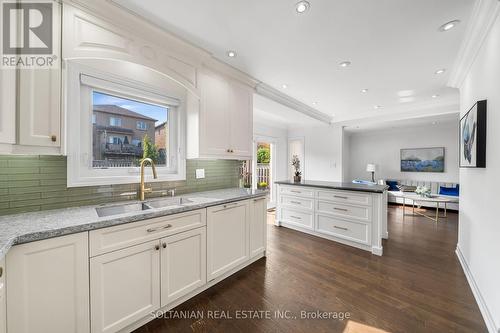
(394,46)
(271,113)
(400,124)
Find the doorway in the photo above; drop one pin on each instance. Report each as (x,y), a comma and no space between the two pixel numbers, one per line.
(264,168)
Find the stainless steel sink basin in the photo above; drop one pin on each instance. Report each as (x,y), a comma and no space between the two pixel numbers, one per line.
(121,209)
(167,202)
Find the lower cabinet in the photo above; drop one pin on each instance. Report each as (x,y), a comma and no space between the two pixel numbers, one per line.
(258,226)
(227,237)
(124,286)
(183,264)
(48,286)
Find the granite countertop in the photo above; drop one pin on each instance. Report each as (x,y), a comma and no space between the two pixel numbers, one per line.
(29,227)
(338,185)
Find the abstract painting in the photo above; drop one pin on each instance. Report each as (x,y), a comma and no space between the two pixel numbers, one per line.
(473,137)
(422,160)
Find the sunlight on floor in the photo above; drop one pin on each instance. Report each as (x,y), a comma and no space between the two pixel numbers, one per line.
(354,327)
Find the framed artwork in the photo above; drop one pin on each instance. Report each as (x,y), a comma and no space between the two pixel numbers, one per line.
(422,159)
(473,137)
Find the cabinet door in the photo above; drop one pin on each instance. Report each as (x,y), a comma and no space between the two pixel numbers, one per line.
(48,286)
(3,305)
(227,241)
(124,286)
(7,105)
(241,119)
(258,226)
(40,99)
(183,264)
(214,120)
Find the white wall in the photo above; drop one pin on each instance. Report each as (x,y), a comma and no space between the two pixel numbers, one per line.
(382,147)
(323,151)
(479,222)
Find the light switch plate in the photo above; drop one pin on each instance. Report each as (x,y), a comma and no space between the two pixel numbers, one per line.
(200,173)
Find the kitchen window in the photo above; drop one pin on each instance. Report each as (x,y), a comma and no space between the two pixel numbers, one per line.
(120,123)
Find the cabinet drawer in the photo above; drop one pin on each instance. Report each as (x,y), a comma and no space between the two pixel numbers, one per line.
(360,213)
(301,203)
(295,217)
(297,191)
(125,235)
(346,197)
(353,231)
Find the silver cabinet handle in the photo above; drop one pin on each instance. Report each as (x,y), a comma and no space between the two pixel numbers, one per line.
(294,191)
(341,228)
(296,202)
(168,226)
(340,197)
(295,217)
(259,199)
(341,209)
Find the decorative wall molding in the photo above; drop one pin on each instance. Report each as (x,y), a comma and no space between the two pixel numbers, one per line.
(277,96)
(482,18)
(488,318)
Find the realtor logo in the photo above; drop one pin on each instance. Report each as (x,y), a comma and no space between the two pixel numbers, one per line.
(27,34)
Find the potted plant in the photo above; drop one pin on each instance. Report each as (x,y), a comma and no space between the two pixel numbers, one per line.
(296,165)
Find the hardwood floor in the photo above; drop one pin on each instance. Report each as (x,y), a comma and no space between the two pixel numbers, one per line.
(417,286)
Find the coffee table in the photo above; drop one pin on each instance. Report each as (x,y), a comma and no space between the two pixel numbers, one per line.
(416,199)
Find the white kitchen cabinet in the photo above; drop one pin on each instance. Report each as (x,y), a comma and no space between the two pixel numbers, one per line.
(48,286)
(183,264)
(224,129)
(3,304)
(40,98)
(258,226)
(227,237)
(7,106)
(124,286)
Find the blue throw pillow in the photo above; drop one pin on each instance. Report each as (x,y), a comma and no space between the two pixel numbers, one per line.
(393,185)
(452,191)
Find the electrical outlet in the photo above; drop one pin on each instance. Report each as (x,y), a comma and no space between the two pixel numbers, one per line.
(200,173)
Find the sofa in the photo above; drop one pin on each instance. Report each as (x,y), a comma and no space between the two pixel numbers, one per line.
(434,186)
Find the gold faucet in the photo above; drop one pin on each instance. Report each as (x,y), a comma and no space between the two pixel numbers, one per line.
(143,190)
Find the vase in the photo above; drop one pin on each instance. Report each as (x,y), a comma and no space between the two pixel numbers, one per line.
(297,179)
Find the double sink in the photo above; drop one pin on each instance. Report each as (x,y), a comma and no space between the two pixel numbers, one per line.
(141,206)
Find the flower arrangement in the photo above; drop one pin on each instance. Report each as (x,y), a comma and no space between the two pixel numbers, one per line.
(296,166)
(423,191)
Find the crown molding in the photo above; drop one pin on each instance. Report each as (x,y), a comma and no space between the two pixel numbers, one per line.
(482,19)
(279,97)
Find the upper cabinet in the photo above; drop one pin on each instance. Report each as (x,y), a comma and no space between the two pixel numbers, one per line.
(38,108)
(224,119)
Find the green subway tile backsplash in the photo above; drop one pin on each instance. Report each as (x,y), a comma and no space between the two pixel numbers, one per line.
(33,183)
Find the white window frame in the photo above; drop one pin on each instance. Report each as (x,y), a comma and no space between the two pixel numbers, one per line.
(115,121)
(81,81)
(141,128)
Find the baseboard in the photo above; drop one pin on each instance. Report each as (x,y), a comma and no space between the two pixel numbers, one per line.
(485,312)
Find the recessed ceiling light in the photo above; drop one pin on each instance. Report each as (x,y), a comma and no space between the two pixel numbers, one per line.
(231,54)
(449,25)
(345,64)
(440,71)
(364,91)
(284,86)
(378,107)
(302,7)
(435,96)
(315,103)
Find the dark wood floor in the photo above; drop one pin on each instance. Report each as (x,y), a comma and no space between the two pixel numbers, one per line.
(417,286)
